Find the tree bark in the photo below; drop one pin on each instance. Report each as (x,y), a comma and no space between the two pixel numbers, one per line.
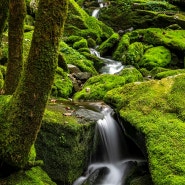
(17,13)
(3,16)
(26,108)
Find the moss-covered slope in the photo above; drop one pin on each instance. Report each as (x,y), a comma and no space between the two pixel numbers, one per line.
(157,109)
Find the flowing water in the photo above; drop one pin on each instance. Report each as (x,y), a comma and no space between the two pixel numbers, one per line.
(95,13)
(112,163)
(110,66)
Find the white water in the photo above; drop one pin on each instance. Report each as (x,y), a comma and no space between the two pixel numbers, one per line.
(111,66)
(114,165)
(95,13)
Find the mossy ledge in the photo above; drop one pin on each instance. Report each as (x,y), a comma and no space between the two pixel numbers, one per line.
(157,109)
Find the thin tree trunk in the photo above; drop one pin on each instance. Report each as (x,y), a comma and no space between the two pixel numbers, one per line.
(29,100)
(17,13)
(3,16)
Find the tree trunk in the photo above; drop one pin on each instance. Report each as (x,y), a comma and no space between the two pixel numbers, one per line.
(3,16)
(28,103)
(17,13)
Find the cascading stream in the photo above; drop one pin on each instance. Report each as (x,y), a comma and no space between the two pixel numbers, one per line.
(110,66)
(111,165)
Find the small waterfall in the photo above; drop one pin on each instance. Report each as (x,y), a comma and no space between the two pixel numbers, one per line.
(111,66)
(111,164)
(95,13)
(111,136)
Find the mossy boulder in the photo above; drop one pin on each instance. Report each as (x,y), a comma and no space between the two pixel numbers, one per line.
(96,87)
(120,51)
(71,56)
(64,143)
(33,176)
(167,73)
(107,47)
(80,44)
(156,108)
(134,54)
(155,57)
(62,86)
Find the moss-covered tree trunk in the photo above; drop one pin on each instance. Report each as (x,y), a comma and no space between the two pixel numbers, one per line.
(28,103)
(17,13)
(3,16)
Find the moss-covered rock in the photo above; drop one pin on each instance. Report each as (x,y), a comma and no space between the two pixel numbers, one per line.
(64,143)
(167,73)
(96,87)
(62,86)
(107,47)
(80,44)
(72,56)
(33,176)
(134,54)
(157,109)
(120,52)
(155,57)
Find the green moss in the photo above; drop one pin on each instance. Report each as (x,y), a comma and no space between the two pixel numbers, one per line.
(80,44)
(156,108)
(157,70)
(167,73)
(101,84)
(155,5)
(72,56)
(34,176)
(26,44)
(108,45)
(123,45)
(4,99)
(91,42)
(171,39)
(155,57)
(81,24)
(134,53)
(97,62)
(62,86)
(29,20)
(1,80)
(72,39)
(2,67)
(64,144)
(82,50)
